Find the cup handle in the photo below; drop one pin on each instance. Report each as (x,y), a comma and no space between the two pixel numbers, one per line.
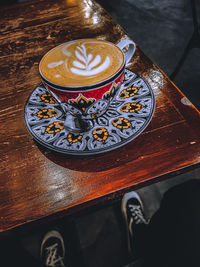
(131,50)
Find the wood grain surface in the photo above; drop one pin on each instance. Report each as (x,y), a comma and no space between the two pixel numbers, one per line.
(35,183)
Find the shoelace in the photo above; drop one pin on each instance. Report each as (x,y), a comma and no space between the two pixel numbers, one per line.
(53,259)
(137,214)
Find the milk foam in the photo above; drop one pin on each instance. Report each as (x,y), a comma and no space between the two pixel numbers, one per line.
(86,65)
(83,65)
(81,62)
(55,64)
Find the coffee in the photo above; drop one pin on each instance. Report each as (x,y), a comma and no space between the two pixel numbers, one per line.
(81,63)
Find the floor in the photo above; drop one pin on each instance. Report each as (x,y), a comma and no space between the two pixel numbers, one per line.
(162,29)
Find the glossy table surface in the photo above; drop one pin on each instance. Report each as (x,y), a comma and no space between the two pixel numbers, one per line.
(36,183)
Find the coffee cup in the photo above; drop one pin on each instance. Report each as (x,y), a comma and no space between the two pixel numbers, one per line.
(83,76)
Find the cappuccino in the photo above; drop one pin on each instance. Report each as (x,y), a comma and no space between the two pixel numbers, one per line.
(81,63)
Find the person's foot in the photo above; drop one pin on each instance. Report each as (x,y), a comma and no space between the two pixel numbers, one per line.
(52,250)
(133,213)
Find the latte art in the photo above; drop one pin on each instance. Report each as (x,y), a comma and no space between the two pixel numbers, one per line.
(55,64)
(87,64)
(81,63)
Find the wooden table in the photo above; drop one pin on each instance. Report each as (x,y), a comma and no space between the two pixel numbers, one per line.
(38,185)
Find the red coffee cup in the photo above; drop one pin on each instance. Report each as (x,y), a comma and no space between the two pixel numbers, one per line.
(86,99)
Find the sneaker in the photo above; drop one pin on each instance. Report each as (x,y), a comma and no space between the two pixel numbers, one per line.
(133,212)
(52,250)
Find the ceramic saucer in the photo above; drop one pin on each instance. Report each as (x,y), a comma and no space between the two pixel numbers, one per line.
(128,115)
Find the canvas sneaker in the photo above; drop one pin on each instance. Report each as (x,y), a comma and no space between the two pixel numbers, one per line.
(52,250)
(133,213)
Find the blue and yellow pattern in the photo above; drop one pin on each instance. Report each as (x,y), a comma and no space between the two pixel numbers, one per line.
(128,114)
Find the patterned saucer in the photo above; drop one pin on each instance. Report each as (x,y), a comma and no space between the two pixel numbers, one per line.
(128,115)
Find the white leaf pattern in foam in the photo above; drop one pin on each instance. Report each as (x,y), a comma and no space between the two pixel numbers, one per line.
(80,57)
(89,58)
(88,68)
(55,64)
(94,63)
(81,50)
(94,71)
(78,64)
(84,49)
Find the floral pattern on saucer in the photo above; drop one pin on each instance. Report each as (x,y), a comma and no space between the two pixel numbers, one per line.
(127,116)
